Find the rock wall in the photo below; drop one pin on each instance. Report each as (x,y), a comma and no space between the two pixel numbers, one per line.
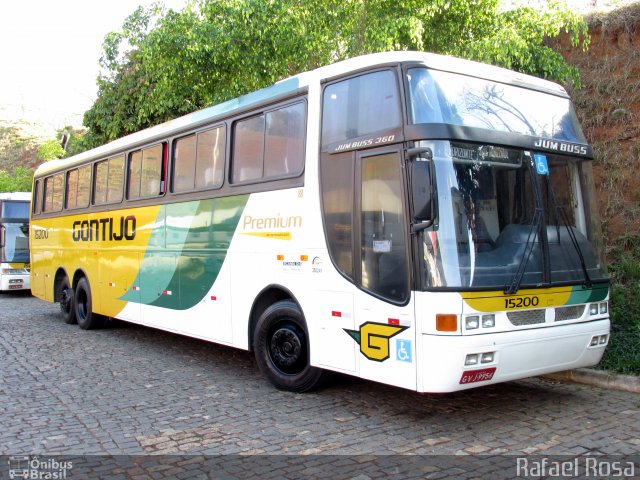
(608,106)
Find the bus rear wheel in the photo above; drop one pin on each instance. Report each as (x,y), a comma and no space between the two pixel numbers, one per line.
(281,347)
(65,297)
(86,318)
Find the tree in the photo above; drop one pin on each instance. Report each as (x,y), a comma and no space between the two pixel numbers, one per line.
(163,63)
(50,150)
(17,180)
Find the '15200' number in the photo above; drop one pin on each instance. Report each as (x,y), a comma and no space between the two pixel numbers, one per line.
(521,302)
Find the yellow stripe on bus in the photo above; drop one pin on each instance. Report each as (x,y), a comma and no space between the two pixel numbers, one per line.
(524,299)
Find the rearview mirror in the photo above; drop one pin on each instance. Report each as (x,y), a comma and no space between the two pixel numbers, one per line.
(422,191)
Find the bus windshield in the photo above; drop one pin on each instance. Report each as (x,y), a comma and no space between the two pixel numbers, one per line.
(15,209)
(16,242)
(500,217)
(442,97)
(14,223)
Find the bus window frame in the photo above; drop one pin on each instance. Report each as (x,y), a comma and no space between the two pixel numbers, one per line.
(172,160)
(37,197)
(44,196)
(164,161)
(66,187)
(262,112)
(94,164)
(396,131)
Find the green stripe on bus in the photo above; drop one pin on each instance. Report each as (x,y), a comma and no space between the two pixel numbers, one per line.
(186,251)
(596,293)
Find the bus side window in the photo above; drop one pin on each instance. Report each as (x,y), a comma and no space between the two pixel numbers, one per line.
(270,145)
(198,161)
(109,180)
(53,193)
(210,158)
(37,198)
(72,188)
(284,143)
(84,186)
(360,106)
(146,172)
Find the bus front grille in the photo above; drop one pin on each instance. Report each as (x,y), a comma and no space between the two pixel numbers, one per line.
(571,312)
(526,317)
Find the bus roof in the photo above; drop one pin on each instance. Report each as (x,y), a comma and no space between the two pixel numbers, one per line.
(19,196)
(297,84)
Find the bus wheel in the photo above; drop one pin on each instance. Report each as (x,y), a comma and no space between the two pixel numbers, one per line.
(281,347)
(65,296)
(86,318)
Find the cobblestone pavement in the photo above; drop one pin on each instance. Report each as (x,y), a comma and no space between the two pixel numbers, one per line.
(130,390)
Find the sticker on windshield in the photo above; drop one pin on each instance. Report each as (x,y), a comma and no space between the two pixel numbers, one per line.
(541,164)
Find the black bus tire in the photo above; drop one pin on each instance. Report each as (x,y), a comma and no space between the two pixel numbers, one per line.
(281,348)
(86,318)
(65,297)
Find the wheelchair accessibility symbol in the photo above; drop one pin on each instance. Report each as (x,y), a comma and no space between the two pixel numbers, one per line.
(542,167)
(403,351)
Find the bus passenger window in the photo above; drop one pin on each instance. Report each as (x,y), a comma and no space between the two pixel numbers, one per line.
(270,145)
(37,198)
(248,151)
(145,173)
(210,158)
(84,186)
(53,188)
(284,143)
(184,164)
(78,183)
(72,188)
(108,181)
(199,161)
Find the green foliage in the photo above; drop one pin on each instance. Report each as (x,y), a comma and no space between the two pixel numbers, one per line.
(50,150)
(74,140)
(623,353)
(17,180)
(163,63)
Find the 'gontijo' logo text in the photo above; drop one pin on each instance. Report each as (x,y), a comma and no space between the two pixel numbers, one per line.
(373,339)
(104,229)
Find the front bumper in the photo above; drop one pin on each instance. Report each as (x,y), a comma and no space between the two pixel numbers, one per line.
(15,282)
(516,354)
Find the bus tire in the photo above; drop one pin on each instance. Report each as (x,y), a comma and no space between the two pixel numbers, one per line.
(65,297)
(86,318)
(281,348)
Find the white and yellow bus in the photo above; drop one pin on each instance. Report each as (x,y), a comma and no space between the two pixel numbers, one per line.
(14,241)
(413,219)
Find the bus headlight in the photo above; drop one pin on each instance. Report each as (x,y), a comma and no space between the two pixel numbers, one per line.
(598,308)
(472,322)
(488,321)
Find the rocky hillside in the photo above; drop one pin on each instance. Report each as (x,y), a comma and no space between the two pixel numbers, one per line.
(609,109)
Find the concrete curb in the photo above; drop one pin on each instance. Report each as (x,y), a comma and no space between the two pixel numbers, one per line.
(599,378)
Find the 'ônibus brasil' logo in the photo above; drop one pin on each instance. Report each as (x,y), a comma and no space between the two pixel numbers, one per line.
(373,339)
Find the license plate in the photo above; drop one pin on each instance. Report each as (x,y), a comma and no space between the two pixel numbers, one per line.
(14,287)
(472,376)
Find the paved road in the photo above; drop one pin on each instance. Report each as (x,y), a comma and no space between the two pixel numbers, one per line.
(130,390)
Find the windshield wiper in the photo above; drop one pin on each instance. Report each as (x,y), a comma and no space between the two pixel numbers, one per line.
(560,212)
(534,229)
